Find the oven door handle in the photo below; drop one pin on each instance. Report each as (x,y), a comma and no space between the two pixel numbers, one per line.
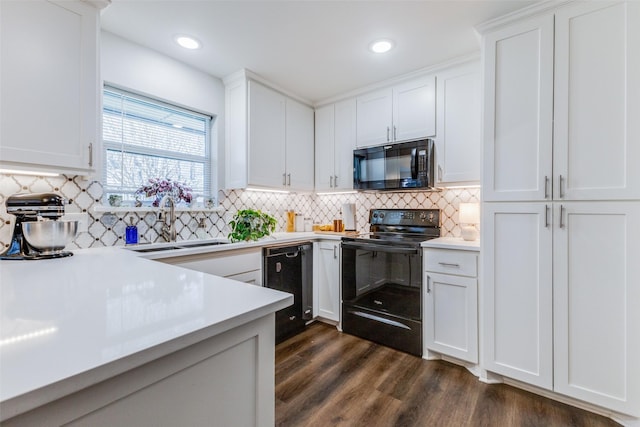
(379,319)
(381,248)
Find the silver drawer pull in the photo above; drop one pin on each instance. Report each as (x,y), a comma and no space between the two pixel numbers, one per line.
(448,264)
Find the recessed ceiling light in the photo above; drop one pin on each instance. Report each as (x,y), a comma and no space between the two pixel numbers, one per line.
(381,46)
(187,42)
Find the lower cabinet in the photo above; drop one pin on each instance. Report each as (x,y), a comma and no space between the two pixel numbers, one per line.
(451,303)
(225,380)
(244,265)
(326,269)
(561,285)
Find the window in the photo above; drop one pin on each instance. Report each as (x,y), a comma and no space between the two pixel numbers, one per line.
(144,138)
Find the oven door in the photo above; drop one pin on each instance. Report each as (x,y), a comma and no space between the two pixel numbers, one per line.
(382,294)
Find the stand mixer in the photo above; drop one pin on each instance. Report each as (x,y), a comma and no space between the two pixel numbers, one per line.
(37,233)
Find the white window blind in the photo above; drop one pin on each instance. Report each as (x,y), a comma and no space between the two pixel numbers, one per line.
(144,138)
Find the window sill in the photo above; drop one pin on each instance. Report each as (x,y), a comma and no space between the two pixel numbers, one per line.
(114,209)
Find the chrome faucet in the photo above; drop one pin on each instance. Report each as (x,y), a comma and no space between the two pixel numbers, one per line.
(168,230)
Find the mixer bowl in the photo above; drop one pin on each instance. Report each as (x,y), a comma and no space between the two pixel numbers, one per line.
(49,236)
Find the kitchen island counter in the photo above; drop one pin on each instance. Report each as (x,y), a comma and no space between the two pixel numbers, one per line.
(70,323)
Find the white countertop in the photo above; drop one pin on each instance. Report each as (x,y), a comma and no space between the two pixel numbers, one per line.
(452,243)
(71,322)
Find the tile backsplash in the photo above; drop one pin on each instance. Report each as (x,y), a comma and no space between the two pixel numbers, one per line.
(107,229)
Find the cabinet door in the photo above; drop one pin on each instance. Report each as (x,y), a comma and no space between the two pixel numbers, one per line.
(374,112)
(451,320)
(49,80)
(518,111)
(266,137)
(517,291)
(414,109)
(597,101)
(596,283)
(299,146)
(459,126)
(345,143)
(325,137)
(328,280)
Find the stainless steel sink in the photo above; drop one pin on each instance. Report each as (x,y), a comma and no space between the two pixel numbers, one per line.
(177,246)
(195,245)
(162,248)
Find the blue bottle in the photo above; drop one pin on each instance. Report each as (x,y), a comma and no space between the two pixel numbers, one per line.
(131,233)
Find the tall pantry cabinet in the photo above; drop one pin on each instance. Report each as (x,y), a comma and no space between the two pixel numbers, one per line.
(561,202)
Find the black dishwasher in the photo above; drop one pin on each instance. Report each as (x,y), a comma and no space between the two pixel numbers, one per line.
(289,268)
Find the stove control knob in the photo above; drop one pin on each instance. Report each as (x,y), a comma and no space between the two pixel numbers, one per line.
(381,215)
(423,215)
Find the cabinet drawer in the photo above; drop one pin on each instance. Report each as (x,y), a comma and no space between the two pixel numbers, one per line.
(222,263)
(446,261)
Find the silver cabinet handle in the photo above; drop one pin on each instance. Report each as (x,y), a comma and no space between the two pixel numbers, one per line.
(91,154)
(428,284)
(284,178)
(335,181)
(289,180)
(561,215)
(439,173)
(546,216)
(449,264)
(546,187)
(331,182)
(560,191)
(387,133)
(394,133)
(335,252)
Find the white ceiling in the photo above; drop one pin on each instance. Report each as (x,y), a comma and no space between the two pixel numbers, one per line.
(315,49)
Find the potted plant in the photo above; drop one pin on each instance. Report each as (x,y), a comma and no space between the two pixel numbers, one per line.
(159,187)
(251,224)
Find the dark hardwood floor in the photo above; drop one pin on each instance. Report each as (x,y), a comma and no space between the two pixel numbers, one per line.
(326,378)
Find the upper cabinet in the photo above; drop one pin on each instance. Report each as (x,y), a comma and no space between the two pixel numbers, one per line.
(50,87)
(269,138)
(335,142)
(458,132)
(401,113)
(564,135)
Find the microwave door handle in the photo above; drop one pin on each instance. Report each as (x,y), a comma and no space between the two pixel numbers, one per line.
(414,163)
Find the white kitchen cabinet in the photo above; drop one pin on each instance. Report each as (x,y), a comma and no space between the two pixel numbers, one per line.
(401,113)
(451,303)
(269,138)
(299,146)
(225,380)
(561,285)
(334,144)
(267,118)
(518,111)
(459,130)
(50,87)
(326,268)
(517,286)
(564,134)
(597,97)
(596,290)
(244,265)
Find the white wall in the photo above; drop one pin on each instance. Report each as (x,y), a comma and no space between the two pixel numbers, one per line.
(130,66)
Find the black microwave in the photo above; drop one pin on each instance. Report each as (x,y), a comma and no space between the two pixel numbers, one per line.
(402,166)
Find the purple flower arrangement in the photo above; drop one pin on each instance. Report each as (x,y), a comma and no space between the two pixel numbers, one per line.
(160,187)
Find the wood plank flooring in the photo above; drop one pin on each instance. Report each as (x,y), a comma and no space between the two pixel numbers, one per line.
(327,378)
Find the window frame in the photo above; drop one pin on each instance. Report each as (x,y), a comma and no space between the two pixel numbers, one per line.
(133,149)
